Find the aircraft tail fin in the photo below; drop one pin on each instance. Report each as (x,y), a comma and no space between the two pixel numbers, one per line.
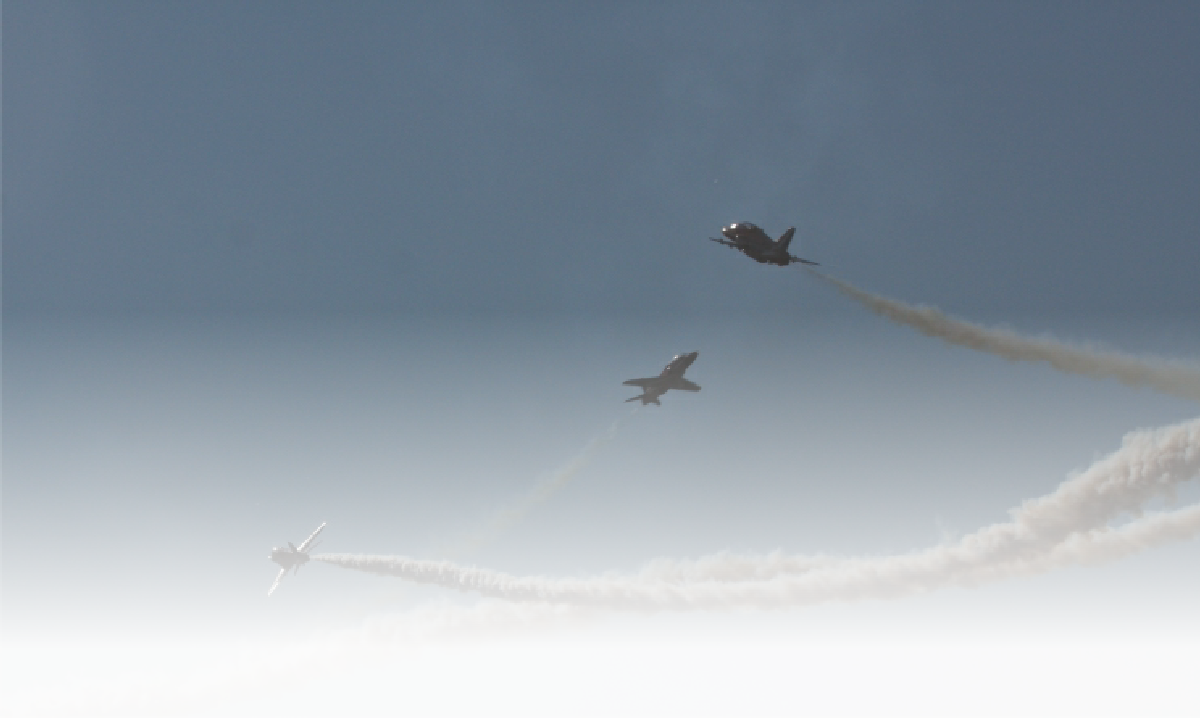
(786,238)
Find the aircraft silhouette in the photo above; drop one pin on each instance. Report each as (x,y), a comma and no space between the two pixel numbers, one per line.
(756,244)
(670,378)
(292,557)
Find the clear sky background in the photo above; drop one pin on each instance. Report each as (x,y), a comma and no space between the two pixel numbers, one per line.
(385,265)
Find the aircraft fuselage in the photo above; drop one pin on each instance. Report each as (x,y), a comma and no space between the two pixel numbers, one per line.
(288,557)
(756,244)
(670,378)
(678,365)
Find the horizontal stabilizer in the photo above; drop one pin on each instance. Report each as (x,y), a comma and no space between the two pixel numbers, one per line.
(684,385)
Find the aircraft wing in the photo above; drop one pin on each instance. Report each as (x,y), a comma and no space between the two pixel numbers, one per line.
(685,385)
(640,382)
(278,578)
(308,541)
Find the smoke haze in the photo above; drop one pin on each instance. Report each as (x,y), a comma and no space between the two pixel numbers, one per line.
(1066,527)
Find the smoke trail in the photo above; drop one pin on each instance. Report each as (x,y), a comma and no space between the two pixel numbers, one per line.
(1087,546)
(461,546)
(513,513)
(1053,532)
(1180,379)
(1045,534)
(258,674)
(1069,525)
(730,567)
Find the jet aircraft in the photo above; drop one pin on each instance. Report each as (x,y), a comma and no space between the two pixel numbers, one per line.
(757,245)
(670,378)
(292,557)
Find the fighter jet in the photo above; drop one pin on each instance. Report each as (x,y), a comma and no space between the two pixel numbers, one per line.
(757,245)
(292,557)
(670,378)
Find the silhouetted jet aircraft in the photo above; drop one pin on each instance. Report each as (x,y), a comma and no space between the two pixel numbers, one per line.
(670,378)
(292,557)
(755,244)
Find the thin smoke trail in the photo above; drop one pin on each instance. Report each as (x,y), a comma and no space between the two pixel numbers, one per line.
(1177,378)
(514,512)
(1071,524)
(460,546)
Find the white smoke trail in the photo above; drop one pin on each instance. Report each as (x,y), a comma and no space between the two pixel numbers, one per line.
(1177,378)
(460,546)
(258,674)
(1053,532)
(1080,547)
(1071,524)
(730,567)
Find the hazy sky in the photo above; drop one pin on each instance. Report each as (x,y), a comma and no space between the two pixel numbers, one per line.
(386,265)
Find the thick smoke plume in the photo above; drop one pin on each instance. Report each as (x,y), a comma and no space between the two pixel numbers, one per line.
(1176,378)
(1150,464)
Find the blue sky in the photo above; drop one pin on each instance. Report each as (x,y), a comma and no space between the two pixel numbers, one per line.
(386,265)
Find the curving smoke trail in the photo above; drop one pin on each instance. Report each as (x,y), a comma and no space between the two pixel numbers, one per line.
(259,674)
(1150,464)
(1061,530)
(1180,379)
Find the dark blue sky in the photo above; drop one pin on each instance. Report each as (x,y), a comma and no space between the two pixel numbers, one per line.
(385,265)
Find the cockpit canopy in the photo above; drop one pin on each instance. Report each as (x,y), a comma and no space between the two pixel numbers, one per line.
(738,229)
